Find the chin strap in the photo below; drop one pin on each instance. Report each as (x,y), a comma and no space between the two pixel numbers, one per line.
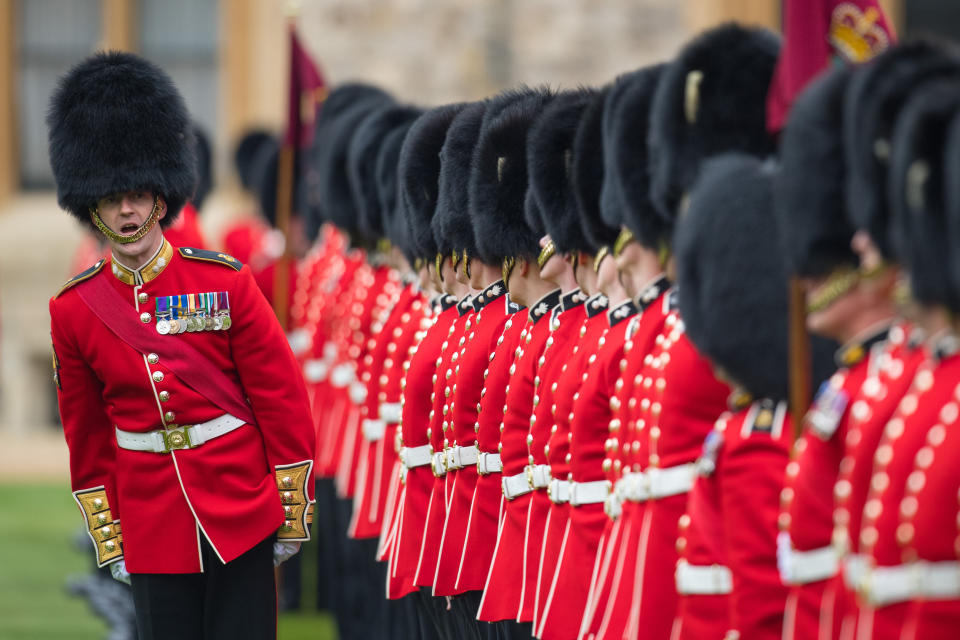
(144,229)
(546,253)
(839,283)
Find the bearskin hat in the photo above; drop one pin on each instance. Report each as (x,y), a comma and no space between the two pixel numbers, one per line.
(451,226)
(874,96)
(917,185)
(951,167)
(732,280)
(117,123)
(419,175)
(395,224)
(710,99)
(550,164)
(498,179)
(588,176)
(245,155)
(810,188)
(626,123)
(204,167)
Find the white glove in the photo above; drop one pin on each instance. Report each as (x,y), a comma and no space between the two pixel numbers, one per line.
(283,551)
(119,571)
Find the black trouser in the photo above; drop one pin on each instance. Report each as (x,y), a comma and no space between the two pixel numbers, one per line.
(225,602)
(328,558)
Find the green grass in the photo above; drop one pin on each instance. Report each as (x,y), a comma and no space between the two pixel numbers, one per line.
(37,524)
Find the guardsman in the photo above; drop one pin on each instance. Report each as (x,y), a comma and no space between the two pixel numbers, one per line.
(185,231)
(727,576)
(455,238)
(640,262)
(185,418)
(498,196)
(925,203)
(553,208)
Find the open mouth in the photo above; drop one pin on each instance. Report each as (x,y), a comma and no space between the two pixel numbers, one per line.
(128,229)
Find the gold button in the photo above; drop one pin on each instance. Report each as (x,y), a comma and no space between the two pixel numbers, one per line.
(102,518)
(169,416)
(105,532)
(164,396)
(142,297)
(153,358)
(145,317)
(287,497)
(110,546)
(288,512)
(97,503)
(158,376)
(287,481)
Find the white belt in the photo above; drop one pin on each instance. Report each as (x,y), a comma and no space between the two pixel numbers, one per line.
(538,475)
(489,463)
(390,412)
(588,492)
(460,457)
(413,457)
(928,580)
(438,463)
(802,567)
(315,370)
(855,568)
(373,430)
(342,375)
(672,481)
(358,393)
(178,437)
(693,580)
(632,487)
(559,491)
(515,486)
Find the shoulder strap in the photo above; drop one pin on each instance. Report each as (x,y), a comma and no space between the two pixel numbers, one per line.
(188,363)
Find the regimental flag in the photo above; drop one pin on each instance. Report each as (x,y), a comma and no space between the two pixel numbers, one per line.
(308,90)
(819,33)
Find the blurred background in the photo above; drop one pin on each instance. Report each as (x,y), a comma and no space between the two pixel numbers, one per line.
(229,59)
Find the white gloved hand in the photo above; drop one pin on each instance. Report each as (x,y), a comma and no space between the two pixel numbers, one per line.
(283,551)
(119,571)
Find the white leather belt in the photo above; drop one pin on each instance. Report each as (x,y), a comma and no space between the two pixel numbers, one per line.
(390,412)
(178,436)
(460,457)
(582,493)
(438,463)
(342,375)
(488,463)
(855,567)
(373,430)
(559,491)
(927,580)
(632,487)
(672,481)
(315,370)
(538,475)
(803,567)
(515,486)
(413,457)
(694,580)
(358,393)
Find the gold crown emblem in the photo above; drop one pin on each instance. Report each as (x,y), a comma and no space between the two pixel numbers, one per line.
(855,34)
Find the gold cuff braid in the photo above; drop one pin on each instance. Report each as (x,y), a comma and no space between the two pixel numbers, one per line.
(292,482)
(103,530)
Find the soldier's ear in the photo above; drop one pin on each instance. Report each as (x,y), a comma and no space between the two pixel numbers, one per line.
(163,207)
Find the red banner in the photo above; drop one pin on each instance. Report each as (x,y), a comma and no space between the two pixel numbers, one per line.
(307,92)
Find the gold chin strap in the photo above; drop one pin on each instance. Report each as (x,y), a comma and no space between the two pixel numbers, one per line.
(574,260)
(603,253)
(625,238)
(454,259)
(546,253)
(439,262)
(466,264)
(144,229)
(839,283)
(507,267)
(663,254)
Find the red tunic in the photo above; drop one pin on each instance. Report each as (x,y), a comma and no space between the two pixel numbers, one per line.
(225,489)
(492,307)
(503,592)
(589,428)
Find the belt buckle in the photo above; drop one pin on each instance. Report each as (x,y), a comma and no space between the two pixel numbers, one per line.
(482,463)
(529,471)
(176,438)
(437,464)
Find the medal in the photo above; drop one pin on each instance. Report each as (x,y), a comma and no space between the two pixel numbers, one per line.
(163,327)
(226,322)
(163,315)
(208,324)
(218,323)
(173,327)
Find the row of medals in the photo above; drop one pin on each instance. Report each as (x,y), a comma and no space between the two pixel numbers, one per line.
(194,323)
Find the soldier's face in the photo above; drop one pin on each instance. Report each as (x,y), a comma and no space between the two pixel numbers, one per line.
(125,213)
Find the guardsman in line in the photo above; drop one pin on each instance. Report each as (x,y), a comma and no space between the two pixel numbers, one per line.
(580,240)
(498,196)
(455,238)
(553,208)
(641,263)
(185,418)
(732,289)
(418,180)
(185,231)
(924,196)
(849,298)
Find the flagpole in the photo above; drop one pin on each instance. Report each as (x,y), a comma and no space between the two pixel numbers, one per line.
(799,356)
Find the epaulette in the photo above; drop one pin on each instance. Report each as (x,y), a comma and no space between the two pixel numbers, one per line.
(83,275)
(765,416)
(211,256)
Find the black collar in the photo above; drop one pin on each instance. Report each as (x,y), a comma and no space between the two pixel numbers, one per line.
(596,304)
(446,301)
(513,307)
(944,345)
(488,295)
(572,300)
(465,306)
(541,308)
(652,292)
(857,349)
(621,312)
